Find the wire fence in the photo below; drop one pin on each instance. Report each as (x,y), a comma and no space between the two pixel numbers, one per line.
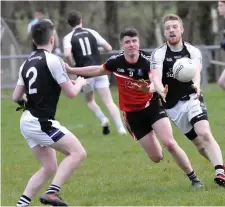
(212,67)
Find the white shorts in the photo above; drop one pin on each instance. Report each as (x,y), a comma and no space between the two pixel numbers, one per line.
(186,113)
(43,132)
(99,82)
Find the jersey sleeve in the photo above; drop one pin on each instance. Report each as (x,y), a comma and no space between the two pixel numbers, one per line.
(57,68)
(196,55)
(111,64)
(100,40)
(156,60)
(67,41)
(20,79)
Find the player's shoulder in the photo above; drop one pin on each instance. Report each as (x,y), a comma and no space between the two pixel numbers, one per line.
(159,52)
(116,56)
(145,56)
(190,47)
(52,59)
(69,35)
(160,49)
(92,31)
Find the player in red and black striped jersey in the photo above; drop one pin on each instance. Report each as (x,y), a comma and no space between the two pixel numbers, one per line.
(143,112)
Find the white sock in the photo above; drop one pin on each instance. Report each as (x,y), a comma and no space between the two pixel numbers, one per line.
(99,114)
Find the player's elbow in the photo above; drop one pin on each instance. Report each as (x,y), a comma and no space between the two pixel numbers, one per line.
(107,47)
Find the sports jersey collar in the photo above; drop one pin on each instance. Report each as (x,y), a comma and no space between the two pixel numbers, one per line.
(175,50)
(132,62)
(78,26)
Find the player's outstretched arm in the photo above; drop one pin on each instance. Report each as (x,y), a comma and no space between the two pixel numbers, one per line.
(90,71)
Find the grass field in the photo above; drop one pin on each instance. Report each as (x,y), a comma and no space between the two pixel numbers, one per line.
(116,172)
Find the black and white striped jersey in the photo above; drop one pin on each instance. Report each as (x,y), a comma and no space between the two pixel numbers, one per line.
(41,75)
(84,46)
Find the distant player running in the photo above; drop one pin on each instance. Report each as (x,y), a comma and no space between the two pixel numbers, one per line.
(82,44)
(142,111)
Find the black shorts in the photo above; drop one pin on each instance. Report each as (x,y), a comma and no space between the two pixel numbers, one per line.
(139,123)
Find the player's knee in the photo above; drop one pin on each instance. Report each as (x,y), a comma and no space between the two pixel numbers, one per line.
(80,155)
(205,134)
(51,168)
(171,145)
(156,159)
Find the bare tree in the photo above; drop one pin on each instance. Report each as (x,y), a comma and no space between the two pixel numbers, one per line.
(111,22)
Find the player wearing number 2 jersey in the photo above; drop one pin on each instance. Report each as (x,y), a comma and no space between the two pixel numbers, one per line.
(82,44)
(41,78)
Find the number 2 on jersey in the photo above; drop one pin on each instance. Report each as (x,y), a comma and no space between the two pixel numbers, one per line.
(32,70)
(85,42)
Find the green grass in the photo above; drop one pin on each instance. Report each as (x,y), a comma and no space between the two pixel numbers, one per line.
(116,171)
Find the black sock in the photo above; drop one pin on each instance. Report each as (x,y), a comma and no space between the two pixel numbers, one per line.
(192,176)
(53,189)
(23,201)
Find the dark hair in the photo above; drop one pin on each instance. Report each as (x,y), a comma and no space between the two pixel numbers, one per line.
(42,31)
(74,18)
(131,32)
(40,11)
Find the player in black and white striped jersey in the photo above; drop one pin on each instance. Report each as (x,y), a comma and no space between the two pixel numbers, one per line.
(41,78)
(82,45)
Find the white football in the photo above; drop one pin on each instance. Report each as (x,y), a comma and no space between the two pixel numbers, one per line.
(184,69)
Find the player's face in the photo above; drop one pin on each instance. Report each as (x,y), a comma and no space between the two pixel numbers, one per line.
(130,45)
(221,8)
(173,31)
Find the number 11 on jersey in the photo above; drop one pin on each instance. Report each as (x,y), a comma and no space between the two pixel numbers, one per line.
(85,42)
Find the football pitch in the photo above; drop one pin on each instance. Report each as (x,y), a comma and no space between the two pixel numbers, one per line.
(116,172)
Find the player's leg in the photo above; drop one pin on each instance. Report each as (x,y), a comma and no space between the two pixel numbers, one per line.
(75,153)
(102,87)
(197,115)
(159,121)
(31,130)
(221,81)
(212,149)
(47,158)
(94,107)
(152,147)
(139,128)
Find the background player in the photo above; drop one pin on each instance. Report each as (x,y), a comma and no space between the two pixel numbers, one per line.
(82,44)
(184,102)
(221,9)
(38,16)
(142,111)
(41,77)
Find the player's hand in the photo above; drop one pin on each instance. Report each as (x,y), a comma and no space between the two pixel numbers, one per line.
(81,81)
(197,90)
(142,86)
(163,93)
(152,88)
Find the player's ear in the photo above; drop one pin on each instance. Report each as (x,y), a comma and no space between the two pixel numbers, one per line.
(52,39)
(182,29)
(33,41)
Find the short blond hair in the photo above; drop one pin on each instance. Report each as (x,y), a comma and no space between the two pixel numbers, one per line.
(172,17)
